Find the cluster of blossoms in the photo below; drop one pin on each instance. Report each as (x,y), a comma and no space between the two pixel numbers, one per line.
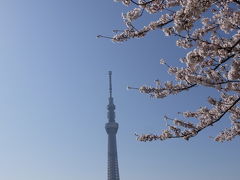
(210,29)
(132,15)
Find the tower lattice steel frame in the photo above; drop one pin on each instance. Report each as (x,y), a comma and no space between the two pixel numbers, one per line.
(112,128)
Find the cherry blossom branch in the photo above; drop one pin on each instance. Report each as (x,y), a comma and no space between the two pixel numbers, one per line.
(235,44)
(190,132)
(143,4)
(234,103)
(205,41)
(225,82)
(229,57)
(212,60)
(223,61)
(236,1)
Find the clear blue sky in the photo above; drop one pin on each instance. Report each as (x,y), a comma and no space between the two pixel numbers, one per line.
(54,90)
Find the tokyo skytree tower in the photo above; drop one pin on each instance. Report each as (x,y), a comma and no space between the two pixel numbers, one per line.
(111,128)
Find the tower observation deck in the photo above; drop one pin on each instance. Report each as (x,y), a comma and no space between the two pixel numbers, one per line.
(111,128)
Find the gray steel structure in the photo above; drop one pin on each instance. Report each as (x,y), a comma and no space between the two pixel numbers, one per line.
(111,128)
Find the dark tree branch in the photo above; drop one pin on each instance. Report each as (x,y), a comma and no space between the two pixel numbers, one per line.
(188,135)
(210,124)
(237,1)
(142,4)
(225,60)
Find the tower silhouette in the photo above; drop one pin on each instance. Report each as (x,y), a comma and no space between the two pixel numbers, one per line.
(111,128)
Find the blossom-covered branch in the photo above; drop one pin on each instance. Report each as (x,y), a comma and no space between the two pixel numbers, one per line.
(207,117)
(210,29)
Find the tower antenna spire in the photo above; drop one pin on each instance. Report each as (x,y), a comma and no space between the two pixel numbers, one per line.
(110,82)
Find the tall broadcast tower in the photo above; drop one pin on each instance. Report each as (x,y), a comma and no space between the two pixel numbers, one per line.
(111,128)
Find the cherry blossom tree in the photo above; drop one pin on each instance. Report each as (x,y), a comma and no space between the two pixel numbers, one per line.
(210,29)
